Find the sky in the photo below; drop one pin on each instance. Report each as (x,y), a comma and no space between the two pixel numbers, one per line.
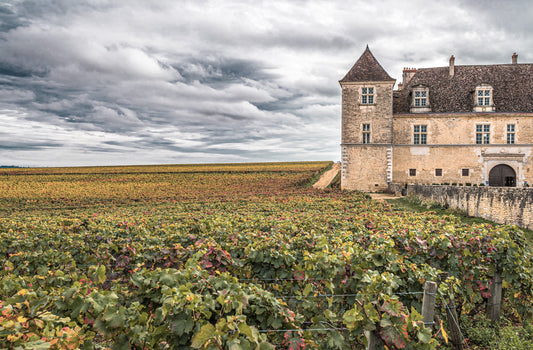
(122,82)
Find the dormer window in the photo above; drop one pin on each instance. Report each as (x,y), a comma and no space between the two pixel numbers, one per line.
(483,98)
(420,99)
(367,96)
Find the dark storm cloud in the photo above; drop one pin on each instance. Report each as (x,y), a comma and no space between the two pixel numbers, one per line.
(9,18)
(211,68)
(22,145)
(14,71)
(306,41)
(131,81)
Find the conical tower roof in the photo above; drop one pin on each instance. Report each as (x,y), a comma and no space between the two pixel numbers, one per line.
(367,68)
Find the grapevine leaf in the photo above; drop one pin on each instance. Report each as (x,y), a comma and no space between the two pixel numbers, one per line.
(265,346)
(392,336)
(424,335)
(101,274)
(206,332)
(235,345)
(392,307)
(247,331)
(184,324)
(336,340)
(352,318)
(37,345)
(371,312)
(443,331)
(114,318)
(308,289)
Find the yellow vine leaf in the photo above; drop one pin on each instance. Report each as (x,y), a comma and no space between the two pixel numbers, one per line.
(444,334)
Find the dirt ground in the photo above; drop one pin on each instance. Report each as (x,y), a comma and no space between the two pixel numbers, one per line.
(382,196)
(327,177)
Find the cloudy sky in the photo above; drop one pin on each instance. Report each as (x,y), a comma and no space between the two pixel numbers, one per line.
(176,81)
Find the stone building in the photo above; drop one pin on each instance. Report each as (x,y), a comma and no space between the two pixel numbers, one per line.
(462,124)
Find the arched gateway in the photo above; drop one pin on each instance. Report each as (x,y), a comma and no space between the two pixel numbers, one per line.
(502,175)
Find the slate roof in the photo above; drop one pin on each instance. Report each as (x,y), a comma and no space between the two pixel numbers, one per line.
(367,68)
(512,84)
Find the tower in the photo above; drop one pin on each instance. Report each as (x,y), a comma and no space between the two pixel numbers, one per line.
(366,126)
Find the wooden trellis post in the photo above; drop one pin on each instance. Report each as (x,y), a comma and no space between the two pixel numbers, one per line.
(453,322)
(428,312)
(428,303)
(373,341)
(494,305)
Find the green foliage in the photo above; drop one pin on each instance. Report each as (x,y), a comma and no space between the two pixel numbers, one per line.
(513,338)
(379,312)
(481,333)
(479,330)
(234,259)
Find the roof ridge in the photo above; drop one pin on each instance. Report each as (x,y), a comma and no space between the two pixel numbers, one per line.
(367,68)
(479,65)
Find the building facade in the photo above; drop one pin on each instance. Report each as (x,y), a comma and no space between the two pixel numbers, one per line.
(465,124)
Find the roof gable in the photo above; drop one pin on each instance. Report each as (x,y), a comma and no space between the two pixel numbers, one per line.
(367,68)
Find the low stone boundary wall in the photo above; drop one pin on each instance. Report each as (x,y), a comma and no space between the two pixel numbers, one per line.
(499,204)
(397,189)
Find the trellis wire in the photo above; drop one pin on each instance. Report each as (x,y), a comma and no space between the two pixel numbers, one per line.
(326,329)
(339,295)
(456,322)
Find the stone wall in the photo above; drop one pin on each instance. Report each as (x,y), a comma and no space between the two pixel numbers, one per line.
(397,189)
(451,147)
(378,115)
(364,168)
(460,128)
(452,159)
(499,204)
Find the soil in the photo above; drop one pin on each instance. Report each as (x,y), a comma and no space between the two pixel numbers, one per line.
(327,177)
(382,196)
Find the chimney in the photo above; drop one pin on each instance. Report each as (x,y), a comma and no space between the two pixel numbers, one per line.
(515,58)
(452,66)
(408,74)
(400,85)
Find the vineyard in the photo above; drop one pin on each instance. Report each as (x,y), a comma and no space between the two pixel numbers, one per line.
(235,256)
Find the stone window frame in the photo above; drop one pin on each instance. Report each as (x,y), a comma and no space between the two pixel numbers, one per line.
(412,172)
(482,134)
(368,95)
(366,133)
(484,98)
(438,172)
(510,134)
(465,172)
(420,99)
(420,134)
